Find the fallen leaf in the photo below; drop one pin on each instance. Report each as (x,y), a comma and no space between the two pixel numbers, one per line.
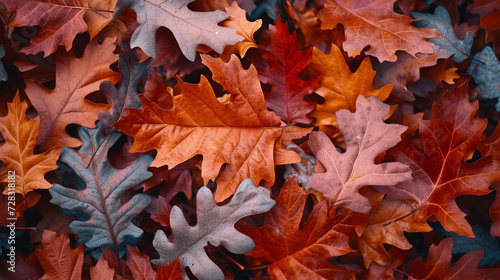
(366,136)
(376,25)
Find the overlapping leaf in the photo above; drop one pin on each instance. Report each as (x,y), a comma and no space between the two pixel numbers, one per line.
(17,153)
(109,220)
(286,62)
(189,28)
(340,87)
(59,20)
(441,22)
(75,79)
(484,68)
(240,133)
(339,176)
(376,25)
(215,224)
(438,161)
(292,252)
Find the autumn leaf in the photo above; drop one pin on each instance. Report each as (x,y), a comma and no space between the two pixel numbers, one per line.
(139,264)
(108,220)
(438,162)
(75,79)
(293,252)
(285,63)
(241,133)
(244,28)
(101,271)
(404,71)
(375,24)
(340,176)
(385,227)
(3,73)
(489,11)
(340,87)
(189,28)
(58,259)
(17,152)
(59,20)
(215,224)
(484,68)
(438,265)
(449,43)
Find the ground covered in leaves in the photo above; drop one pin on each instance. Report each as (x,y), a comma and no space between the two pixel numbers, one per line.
(240,139)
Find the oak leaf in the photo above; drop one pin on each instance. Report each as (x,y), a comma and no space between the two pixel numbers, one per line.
(189,28)
(215,224)
(106,220)
(386,227)
(75,79)
(285,63)
(438,265)
(58,259)
(484,69)
(237,20)
(340,176)
(375,24)
(295,252)
(241,133)
(17,152)
(59,20)
(438,162)
(101,271)
(340,87)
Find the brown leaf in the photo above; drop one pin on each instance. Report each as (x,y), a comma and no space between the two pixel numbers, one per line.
(58,259)
(102,271)
(76,78)
(139,264)
(375,24)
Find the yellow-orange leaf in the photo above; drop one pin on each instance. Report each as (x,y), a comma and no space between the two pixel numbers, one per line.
(21,135)
(340,87)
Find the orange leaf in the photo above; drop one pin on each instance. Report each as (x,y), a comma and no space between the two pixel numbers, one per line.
(241,133)
(58,259)
(295,253)
(101,271)
(340,87)
(375,24)
(20,134)
(75,79)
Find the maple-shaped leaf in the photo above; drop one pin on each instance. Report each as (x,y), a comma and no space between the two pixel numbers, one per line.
(215,224)
(340,87)
(294,252)
(438,265)
(66,103)
(110,219)
(375,24)
(189,28)
(17,152)
(59,20)
(131,72)
(285,63)
(58,259)
(441,22)
(438,162)
(240,133)
(484,68)
(366,136)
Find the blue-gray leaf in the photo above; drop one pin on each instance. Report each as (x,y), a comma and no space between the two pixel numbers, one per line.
(485,67)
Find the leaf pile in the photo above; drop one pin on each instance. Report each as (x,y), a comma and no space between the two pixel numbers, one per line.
(249,139)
